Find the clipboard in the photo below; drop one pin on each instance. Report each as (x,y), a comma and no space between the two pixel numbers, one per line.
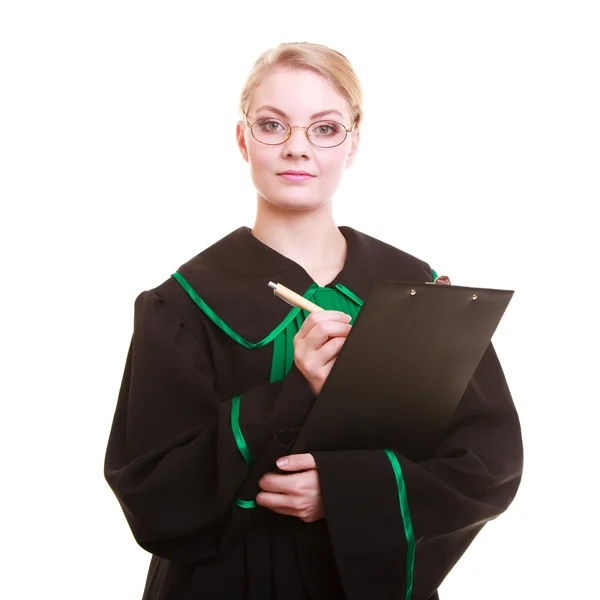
(404,368)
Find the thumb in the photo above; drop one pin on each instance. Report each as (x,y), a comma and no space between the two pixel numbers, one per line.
(297,462)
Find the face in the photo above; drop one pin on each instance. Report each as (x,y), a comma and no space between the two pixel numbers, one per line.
(299,95)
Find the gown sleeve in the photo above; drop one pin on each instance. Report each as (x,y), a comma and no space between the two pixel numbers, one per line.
(172,458)
(399,526)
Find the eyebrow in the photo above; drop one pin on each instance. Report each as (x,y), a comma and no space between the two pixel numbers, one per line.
(315,116)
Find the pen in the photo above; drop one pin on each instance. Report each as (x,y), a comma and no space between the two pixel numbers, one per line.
(293,298)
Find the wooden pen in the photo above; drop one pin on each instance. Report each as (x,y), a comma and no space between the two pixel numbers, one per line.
(293,298)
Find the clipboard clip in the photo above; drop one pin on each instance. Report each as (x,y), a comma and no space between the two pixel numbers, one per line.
(440,280)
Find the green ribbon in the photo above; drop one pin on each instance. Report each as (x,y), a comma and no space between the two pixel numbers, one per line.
(245,503)
(237,432)
(406,521)
(212,315)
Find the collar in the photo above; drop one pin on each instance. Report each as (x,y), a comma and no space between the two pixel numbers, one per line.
(232,276)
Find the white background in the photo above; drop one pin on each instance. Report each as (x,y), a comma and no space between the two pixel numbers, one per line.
(480,154)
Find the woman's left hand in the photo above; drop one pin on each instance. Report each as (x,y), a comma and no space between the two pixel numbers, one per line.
(296,494)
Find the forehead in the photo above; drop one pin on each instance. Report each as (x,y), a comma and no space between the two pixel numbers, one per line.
(299,93)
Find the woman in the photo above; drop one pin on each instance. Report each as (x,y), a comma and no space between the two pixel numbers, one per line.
(221,375)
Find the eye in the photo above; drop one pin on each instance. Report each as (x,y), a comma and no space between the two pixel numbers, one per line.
(326,128)
(270,125)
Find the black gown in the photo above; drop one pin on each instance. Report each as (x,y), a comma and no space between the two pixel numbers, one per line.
(204,410)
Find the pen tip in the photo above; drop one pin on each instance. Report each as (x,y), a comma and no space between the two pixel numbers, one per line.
(272,285)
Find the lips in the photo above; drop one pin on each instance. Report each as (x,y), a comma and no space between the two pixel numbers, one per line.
(296,173)
(293,177)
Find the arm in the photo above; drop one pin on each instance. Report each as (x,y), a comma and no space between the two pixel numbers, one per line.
(172,458)
(381,507)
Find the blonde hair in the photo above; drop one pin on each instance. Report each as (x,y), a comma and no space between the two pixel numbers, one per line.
(329,63)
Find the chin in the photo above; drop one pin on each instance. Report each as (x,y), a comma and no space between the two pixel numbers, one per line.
(297,199)
(295,204)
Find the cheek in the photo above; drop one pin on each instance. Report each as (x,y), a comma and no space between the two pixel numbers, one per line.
(262,170)
(261,161)
(333,164)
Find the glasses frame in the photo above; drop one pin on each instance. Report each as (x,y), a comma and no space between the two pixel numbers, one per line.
(292,127)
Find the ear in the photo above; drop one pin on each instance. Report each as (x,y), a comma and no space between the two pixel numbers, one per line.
(241,140)
(355,142)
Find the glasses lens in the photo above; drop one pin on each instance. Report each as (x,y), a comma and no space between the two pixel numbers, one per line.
(327,134)
(270,131)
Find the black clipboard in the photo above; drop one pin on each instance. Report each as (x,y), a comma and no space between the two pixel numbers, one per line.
(403,368)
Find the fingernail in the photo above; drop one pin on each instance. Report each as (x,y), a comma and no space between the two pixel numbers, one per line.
(282,462)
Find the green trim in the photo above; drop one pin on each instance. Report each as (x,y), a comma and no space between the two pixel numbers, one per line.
(434,275)
(237,432)
(245,503)
(279,357)
(241,444)
(210,313)
(406,520)
(348,293)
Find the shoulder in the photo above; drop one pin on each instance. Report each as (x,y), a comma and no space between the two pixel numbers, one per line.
(388,261)
(171,293)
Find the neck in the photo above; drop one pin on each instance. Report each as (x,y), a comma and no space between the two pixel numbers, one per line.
(309,238)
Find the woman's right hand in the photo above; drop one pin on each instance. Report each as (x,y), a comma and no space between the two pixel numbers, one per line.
(318,343)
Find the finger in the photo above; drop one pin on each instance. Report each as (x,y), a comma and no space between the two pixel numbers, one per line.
(325,370)
(300,483)
(324,331)
(317,363)
(311,359)
(278,501)
(281,484)
(329,351)
(297,462)
(320,316)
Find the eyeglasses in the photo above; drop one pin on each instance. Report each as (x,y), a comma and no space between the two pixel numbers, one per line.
(323,134)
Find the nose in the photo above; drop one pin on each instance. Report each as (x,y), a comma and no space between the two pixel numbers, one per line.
(297,144)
